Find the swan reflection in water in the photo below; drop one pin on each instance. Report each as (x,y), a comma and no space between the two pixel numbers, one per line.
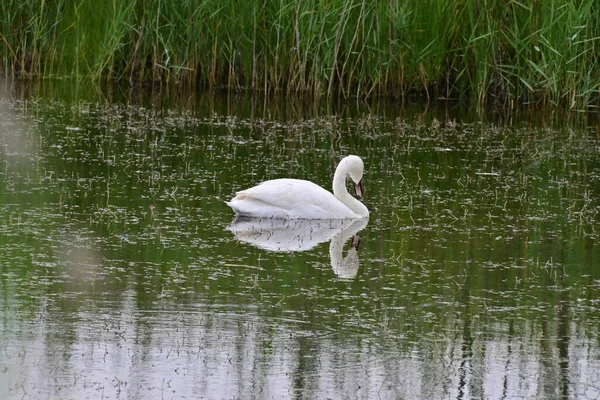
(285,235)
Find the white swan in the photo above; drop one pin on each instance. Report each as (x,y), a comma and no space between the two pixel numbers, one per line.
(299,199)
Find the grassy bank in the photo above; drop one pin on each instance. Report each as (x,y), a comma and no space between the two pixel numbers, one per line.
(540,52)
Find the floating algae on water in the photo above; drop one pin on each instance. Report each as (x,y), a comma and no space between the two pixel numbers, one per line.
(118,276)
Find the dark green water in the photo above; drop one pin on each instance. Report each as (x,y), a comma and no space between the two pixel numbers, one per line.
(477,275)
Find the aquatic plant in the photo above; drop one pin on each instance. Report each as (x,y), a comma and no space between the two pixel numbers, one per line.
(498,51)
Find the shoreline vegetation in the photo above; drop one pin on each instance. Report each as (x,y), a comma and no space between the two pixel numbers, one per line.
(503,52)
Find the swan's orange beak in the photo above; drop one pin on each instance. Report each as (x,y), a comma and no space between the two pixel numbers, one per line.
(359,188)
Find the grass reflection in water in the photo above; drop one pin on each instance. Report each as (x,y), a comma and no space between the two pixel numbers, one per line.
(475,276)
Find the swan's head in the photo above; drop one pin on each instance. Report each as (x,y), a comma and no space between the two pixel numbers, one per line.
(355,168)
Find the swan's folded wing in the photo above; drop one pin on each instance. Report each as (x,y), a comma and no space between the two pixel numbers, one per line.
(247,206)
(279,192)
(297,198)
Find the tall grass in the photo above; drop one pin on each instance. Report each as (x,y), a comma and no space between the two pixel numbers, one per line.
(537,52)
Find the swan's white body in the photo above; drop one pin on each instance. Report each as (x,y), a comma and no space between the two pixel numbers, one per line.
(299,199)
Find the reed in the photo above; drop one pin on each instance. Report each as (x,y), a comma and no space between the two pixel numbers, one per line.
(542,52)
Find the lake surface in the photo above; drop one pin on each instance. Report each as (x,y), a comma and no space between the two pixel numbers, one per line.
(121,275)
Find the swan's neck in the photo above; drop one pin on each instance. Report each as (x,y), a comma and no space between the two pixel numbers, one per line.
(340,191)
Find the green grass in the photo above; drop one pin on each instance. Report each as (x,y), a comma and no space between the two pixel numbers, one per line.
(514,53)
